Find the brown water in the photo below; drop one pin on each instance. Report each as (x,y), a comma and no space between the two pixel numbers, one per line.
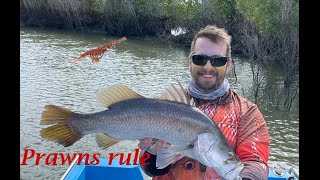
(46,77)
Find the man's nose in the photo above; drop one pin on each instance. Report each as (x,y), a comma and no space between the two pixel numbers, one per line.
(208,65)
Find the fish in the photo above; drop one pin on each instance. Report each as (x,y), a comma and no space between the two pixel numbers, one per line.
(131,116)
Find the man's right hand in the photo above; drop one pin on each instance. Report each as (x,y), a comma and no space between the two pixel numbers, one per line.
(151,145)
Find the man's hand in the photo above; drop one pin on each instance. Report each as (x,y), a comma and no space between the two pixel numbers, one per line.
(151,145)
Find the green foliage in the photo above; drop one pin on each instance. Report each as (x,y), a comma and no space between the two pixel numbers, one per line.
(207,11)
(92,5)
(188,12)
(145,8)
(195,13)
(270,16)
(168,9)
(224,10)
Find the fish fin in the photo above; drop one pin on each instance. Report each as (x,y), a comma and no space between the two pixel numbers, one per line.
(53,114)
(168,155)
(104,141)
(116,93)
(175,93)
(62,131)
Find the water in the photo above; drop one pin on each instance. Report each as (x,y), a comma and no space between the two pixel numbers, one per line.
(47,77)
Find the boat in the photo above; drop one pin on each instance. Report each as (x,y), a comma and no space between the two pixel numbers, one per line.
(114,171)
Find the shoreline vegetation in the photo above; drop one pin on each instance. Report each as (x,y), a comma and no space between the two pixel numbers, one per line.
(267,32)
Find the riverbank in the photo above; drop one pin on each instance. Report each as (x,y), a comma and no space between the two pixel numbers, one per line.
(266,33)
(256,28)
(175,40)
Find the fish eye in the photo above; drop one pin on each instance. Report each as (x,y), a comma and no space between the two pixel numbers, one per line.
(189,165)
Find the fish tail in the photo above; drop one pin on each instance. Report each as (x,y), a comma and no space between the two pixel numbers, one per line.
(62,131)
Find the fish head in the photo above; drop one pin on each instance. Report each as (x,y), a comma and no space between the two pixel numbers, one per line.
(212,150)
(202,146)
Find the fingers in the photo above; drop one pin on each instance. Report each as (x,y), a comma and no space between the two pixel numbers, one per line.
(151,145)
(156,146)
(143,143)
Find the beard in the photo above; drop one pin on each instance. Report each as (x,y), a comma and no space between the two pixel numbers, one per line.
(207,85)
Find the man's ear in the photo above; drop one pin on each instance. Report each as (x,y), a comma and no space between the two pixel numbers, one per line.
(229,65)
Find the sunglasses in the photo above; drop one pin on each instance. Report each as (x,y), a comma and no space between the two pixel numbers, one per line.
(216,61)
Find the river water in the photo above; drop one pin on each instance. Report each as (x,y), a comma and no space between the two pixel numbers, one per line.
(47,77)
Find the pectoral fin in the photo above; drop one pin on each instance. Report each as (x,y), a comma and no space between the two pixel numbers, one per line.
(168,155)
(104,141)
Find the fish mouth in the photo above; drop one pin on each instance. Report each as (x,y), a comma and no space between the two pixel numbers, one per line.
(234,172)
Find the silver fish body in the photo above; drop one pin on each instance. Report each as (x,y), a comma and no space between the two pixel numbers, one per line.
(134,119)
(130,116)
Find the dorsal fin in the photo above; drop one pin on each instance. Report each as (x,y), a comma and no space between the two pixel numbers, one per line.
(175,93)
(116,93)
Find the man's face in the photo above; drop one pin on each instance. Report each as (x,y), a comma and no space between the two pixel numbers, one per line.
(207,77)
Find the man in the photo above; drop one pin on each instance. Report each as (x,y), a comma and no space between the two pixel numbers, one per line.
(240,121)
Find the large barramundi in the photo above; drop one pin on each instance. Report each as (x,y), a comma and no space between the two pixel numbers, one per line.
(130,116)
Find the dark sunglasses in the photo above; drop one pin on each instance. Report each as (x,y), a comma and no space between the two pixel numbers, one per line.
(216,61)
